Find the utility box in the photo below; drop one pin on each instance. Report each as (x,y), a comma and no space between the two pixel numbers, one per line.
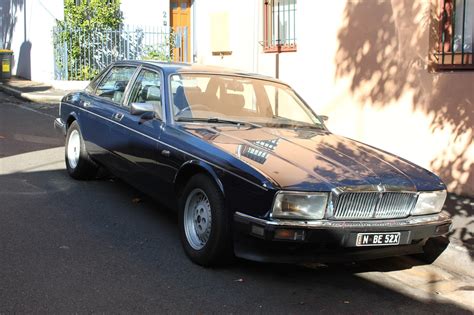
(6,57)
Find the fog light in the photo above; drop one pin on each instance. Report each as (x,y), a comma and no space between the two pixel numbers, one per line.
(258,230)
(294,235)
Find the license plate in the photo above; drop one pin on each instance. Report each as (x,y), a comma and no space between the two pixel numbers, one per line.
(378,239)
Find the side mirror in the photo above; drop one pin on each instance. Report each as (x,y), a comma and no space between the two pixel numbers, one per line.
(141,108)
(324,117)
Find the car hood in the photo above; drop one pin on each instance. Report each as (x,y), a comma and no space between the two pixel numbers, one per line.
(315,160)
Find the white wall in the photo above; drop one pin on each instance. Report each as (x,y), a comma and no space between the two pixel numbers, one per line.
(146,12)
(27,25)
(26,28)
(243,32)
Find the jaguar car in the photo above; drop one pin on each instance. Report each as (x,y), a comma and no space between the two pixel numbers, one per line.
(250,168)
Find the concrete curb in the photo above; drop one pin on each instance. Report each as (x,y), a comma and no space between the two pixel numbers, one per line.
(33,97)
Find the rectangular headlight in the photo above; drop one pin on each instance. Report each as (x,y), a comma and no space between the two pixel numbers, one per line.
(429,202)
(299,205)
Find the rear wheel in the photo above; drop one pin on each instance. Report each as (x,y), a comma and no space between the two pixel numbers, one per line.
(203,221)
(78,163)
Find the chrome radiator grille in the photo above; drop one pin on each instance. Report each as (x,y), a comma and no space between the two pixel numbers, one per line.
(373,205)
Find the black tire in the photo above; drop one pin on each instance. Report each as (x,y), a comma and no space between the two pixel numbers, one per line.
(85,168)
(218,248)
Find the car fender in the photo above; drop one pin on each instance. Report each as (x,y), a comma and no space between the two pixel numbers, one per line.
(70,117)
(193,165)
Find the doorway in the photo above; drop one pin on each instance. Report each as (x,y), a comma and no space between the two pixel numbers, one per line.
(180,21)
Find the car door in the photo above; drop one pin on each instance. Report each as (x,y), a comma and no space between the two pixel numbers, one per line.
(144,147)
(105,109)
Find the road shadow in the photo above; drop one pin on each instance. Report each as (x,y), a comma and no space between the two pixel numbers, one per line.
(27,127)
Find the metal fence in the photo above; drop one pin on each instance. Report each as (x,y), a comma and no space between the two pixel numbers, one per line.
(80,54)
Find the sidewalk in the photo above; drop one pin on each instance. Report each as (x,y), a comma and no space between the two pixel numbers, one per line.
(458,256)
(33,91)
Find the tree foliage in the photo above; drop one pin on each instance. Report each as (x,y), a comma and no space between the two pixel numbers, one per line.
(86,23)
(93,14)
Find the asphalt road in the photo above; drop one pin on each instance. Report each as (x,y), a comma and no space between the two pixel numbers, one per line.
(101,246)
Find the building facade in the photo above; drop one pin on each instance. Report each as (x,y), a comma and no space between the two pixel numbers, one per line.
(26,27)
(386,72)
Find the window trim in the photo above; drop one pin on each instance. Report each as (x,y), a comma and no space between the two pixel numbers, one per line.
(442,60)
(266,31)
(135,76)
(125,93)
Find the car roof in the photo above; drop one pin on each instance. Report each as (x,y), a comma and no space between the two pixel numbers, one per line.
(177,67)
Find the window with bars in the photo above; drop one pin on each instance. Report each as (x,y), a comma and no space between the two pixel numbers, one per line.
(279,25)
(456,35)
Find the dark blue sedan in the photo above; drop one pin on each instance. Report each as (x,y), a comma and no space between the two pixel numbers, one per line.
(250,168)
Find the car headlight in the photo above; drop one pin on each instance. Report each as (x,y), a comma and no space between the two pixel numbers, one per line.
(299,205)
(429,202)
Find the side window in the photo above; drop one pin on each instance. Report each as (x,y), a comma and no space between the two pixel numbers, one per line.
(113,85)
(93,84)
(147,89)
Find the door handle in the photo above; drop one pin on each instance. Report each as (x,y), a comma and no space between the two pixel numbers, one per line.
(166,153)
(118,116)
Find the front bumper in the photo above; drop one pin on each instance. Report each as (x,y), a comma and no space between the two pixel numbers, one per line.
(330,241)
(60,126)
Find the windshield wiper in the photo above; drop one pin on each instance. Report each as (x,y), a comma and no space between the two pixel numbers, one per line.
(217,120)
(290,123)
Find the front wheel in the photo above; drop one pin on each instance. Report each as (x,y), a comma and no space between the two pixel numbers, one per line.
(203,221)
(78,163)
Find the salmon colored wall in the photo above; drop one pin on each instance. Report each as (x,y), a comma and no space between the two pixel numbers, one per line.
(382,59)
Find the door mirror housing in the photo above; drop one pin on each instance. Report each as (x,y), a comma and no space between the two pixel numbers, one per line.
(324,117)
(141,108)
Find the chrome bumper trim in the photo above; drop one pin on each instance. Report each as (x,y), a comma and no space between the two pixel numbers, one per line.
(60,126)
(433,219)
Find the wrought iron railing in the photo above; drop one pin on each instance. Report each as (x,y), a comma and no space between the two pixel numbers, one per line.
(80,54)
(456,42)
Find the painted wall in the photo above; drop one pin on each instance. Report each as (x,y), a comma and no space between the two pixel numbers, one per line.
(26,28)
(147,13)
(365,65)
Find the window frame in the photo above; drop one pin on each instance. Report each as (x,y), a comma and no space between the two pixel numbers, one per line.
(127,87)
(268,28)
(303,104)
(128,100)
(451,60)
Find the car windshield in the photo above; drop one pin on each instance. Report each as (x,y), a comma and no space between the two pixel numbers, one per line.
(237,99)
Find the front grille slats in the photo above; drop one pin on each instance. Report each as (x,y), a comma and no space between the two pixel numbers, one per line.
(374,205)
